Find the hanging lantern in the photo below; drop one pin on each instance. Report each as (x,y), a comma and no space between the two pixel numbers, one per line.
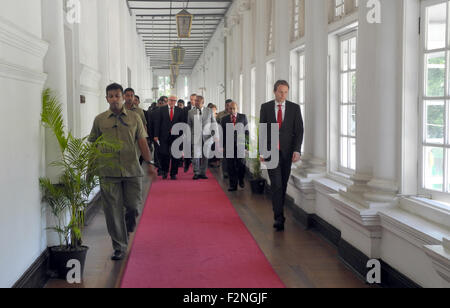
(174,72)
(173,81)
(184,24)
(178,54)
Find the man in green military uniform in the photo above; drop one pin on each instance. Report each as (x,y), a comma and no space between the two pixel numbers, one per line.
(121,183)
(129,96)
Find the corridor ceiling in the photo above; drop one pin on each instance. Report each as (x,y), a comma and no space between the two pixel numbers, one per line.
(156,22)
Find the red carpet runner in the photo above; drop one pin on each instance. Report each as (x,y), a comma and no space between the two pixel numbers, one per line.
(190,236)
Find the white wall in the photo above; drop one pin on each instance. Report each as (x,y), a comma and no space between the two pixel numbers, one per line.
(213,60)
(105,44)
(22,51)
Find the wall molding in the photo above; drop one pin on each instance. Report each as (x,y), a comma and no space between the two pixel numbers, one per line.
(440,257)
(37,274)
(89,80)
(21,73)
(413,235)
(20,39)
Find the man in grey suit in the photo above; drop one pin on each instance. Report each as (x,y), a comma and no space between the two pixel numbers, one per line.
(199,119)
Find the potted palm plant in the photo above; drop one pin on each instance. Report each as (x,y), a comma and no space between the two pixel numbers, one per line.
(78,163)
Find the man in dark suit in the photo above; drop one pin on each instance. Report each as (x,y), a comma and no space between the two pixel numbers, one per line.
(168,116)
(288,117)
(152,116)
(236,145)
(191,106)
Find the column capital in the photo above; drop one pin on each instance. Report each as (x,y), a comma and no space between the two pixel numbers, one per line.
(243,6)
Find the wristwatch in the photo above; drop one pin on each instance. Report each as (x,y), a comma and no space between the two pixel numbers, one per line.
(151,163)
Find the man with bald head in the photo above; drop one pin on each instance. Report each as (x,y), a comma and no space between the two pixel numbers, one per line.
(235,123)
(169,116)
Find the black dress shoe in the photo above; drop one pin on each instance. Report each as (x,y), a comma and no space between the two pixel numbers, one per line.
(118,255)
(279,227)
(173,177)
(232,189)
(241,184)
(203,177)
(165,176)
(196,177)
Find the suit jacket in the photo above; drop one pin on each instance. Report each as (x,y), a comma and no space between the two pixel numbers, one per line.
(206,119)
(152,115)
(186,112)
(291,133)
(241,118)
(163,127)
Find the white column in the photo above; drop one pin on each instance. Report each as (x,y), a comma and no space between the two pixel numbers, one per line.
(244,10)
(378,97)
(281,30)
(378,92)
(260,54)
(155,88)
(386,93)
(55,67)
(316,53)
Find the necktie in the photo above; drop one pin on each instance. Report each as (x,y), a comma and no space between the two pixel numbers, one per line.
(233,118)
(280,116)
(171,114)
(200,112)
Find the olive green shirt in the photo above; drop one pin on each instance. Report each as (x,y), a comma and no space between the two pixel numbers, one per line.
(128,129)
(141,114)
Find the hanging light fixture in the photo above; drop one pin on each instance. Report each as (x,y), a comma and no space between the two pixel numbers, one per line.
(174,70)
(184,24)
(178,54)
(174,73)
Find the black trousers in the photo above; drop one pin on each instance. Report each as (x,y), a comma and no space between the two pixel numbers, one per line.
(187,163)
(236,170)
(279,178)
(156,155)
(169,163)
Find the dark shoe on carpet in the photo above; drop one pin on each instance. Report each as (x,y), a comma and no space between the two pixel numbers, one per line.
(203,177)
(118,255)
(232,189)
(196,177)
(165,176)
